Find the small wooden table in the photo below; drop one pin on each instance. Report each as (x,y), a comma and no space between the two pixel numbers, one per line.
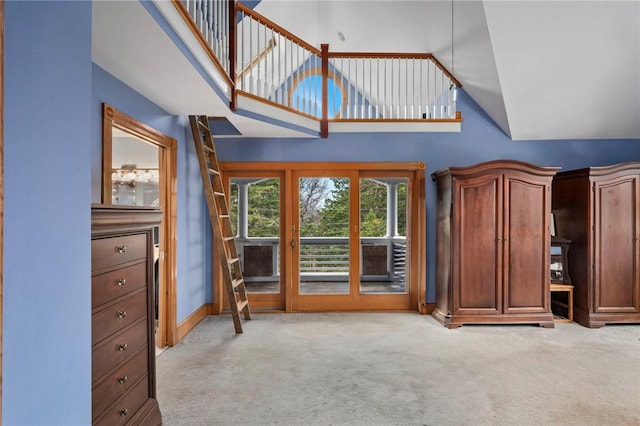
(569,289)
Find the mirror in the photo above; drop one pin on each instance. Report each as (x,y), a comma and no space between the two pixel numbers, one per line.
(134,170)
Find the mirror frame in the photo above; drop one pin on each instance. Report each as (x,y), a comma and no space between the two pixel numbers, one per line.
(167,165)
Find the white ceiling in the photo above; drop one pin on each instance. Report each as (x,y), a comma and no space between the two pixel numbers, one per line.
(540,69)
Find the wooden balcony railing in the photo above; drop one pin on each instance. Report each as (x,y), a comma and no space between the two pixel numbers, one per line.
(271,61)
(265,62)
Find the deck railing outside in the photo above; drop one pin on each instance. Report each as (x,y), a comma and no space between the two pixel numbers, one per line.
(328,257)
(266,62)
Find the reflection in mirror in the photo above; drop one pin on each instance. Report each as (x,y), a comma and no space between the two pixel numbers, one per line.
(134,170)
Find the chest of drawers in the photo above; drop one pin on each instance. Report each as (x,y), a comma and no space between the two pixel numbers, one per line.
(122,316)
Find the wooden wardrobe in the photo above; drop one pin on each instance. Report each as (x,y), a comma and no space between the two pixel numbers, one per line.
(598,209)
(493,244)
(122,329)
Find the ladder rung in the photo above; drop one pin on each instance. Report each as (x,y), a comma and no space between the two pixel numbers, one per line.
(208,149)
(214,172)
(229,238)
(236,283)
(218,194)
(233,260)
(203,124)
(241,305)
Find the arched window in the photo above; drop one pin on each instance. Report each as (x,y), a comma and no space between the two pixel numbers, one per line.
(306,95)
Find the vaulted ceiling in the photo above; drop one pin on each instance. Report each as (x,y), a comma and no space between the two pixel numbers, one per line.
(542,70)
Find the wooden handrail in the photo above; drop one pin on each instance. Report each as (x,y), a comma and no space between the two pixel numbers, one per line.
(395,55)
(277,28)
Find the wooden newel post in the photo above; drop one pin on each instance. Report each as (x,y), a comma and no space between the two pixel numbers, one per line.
(232,52)
(324,123)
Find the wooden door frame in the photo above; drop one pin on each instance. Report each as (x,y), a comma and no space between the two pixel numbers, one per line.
(111,117)
(417,206)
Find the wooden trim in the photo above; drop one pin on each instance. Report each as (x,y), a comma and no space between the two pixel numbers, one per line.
(171,246)
(198,35)
(233,48)
(324,123)
(194,319)
(277,28)
(167,163)
(421,221)
(428,308)
(287,256)
(381,55)
(1,186)
(270,103)
(275,166)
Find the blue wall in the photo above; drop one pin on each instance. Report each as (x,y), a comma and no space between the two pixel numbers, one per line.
(194,230)
(480,140)
(53,97)
(47,293)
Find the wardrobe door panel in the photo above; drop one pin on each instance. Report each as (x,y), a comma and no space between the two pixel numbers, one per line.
(525,241)
(478,286)
(616,279)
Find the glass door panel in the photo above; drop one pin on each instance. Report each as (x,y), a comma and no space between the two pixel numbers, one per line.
(324,235)
(255,218)
(383,204)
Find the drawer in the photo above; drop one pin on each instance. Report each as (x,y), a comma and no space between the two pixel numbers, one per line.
(117,349)
(119,382)
(118,315)
(109,286)
(113,251)
(126,407)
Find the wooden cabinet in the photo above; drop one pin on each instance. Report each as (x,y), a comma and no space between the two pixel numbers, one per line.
(492,260)
(122,316)
(597,208)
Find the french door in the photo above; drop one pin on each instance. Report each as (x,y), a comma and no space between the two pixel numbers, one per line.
(329,237)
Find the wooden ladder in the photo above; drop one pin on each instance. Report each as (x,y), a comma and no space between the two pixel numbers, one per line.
(225,244)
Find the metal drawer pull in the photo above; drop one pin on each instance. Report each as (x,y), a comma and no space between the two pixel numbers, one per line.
(122,347)
(121,249)
(121,282)
(124,412)
(122,314)
(122,380)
